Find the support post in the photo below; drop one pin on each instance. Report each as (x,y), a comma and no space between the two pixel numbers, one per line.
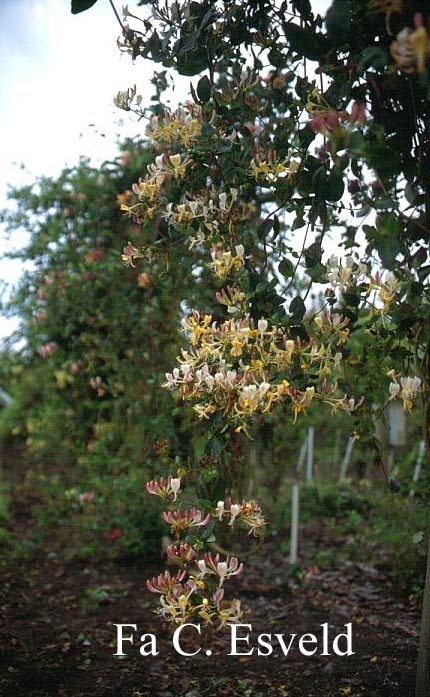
(295,506)
(346,458)
(310,455)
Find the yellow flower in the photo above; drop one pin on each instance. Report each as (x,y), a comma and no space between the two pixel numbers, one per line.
(419,41)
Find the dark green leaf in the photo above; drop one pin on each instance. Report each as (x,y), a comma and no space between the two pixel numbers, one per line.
(305,42)
(388,248)
(338,20)
(276,226)
(193,93)
(335,186)
(286,268)
(297,308)
(313,254)
(204,89)
(298,223)
(81,5)
(264,229)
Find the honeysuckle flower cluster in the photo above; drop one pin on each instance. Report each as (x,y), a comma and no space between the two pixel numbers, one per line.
(181,521)
(233,298)
(344,273)
(241,370)
(267,168)
(124,98)
(220,568)
(248,513)
(406,389)
(196,590)
(165,487)
(180,127)
(387,286)
(411,49)
(181,553)
(224,262)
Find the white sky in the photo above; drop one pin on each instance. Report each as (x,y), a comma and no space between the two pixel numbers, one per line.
(60,73)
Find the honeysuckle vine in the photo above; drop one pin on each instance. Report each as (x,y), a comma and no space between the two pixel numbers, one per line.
(288,136)
(299,128)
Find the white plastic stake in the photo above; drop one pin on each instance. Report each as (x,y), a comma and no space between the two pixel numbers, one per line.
(310,455)
(302,454)
(346,458)
(295,505)
(417,468)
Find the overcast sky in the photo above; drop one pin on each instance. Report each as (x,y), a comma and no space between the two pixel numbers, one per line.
(60,73)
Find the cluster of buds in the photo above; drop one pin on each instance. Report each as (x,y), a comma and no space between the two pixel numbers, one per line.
(325,119)
(406,390)
(181,521)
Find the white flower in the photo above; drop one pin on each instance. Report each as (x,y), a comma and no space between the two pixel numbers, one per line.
(394,389)
(220,509)
(175,485)
(221,570)
(262,326)
(203,568)
(235,509)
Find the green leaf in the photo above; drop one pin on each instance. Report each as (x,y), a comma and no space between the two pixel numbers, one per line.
(335,186)
(81,5)
(298,223)
(418,537)
(305,42)
(215,447)
(313,254)
(338,19)
(276,227)
(264,229)
(204,89)
(199,447)
(374,56)
(297,308)
(286,268)
(317,273)
(194,93)
(388,249)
